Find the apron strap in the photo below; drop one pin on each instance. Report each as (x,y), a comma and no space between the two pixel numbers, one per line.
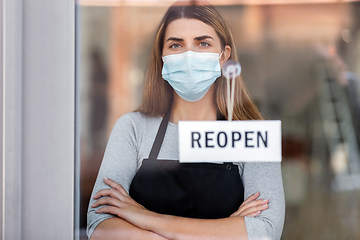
(159,136)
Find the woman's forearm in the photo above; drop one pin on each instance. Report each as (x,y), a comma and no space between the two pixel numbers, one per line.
(116,228)
(116,201)
(173,227)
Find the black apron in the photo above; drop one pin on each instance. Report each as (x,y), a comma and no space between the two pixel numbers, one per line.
(195,190)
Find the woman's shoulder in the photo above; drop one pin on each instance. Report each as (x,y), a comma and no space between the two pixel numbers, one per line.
(137,120)
(139,117)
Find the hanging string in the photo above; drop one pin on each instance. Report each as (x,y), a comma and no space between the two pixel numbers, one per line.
(231,70)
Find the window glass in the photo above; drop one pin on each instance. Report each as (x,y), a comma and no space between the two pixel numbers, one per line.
(301,64)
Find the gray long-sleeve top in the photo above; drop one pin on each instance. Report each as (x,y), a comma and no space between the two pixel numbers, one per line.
(130,142)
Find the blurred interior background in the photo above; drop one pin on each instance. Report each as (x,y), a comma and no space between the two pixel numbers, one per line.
(301,63)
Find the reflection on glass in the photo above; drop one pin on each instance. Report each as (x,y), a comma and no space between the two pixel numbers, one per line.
(301,63)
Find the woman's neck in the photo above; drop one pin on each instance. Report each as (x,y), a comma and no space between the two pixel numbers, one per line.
(202,110)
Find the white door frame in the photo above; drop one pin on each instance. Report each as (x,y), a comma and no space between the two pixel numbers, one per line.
(37,105)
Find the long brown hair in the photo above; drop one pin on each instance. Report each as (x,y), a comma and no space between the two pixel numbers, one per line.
(158,94)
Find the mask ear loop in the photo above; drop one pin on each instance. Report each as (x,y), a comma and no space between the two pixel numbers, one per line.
(220,55)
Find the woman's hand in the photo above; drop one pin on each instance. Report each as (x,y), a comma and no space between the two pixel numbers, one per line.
(119,203)
(251,207)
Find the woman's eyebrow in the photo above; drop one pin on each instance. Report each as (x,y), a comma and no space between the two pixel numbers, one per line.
(203,37)
(175,39)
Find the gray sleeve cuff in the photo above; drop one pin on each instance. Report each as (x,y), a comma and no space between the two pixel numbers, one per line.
(90,228)
(260,229)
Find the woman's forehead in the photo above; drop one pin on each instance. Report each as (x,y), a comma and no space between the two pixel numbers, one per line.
(189,28)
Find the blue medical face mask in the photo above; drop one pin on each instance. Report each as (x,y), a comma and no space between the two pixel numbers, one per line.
(191,74)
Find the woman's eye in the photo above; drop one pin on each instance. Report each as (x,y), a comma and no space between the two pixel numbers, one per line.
(204,44)
(175,45)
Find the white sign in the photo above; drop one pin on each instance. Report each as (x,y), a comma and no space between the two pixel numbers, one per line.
(230,141)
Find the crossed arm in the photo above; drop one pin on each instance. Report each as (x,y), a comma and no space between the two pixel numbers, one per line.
(136,222)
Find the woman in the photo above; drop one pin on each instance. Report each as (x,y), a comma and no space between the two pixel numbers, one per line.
(142,192)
